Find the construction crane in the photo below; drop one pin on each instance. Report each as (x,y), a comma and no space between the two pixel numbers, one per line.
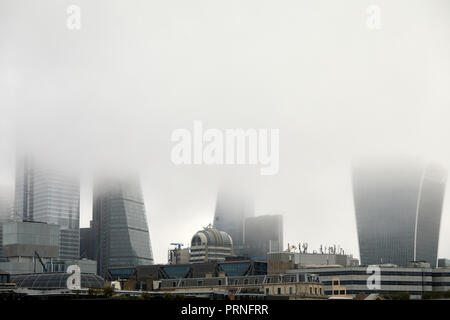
(36,255)
(172,254)
(178,245)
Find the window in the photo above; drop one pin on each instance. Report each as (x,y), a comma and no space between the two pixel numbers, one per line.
(278,290)
(200,283)
(310,290)
(220,282)
(290,290)
(315,291)
(267,291)
(245,281)
(174,283)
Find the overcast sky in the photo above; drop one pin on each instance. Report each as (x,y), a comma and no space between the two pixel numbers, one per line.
(113,92)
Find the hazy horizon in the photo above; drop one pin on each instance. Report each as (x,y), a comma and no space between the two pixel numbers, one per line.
(111,94)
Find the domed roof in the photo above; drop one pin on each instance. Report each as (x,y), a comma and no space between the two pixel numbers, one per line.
(56,280)
(212,237)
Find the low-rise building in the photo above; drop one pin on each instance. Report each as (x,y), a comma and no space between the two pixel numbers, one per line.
(142,277)
(29,246)
(179,256)
(279,262)
(443,263)
(55,280)
(381,279)
(299,286)
(210,244)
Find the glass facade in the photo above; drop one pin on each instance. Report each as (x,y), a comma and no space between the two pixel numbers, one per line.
(398,206)
(120,225)
(263,234)
(45,194)
(176,272)
(6,207)
(233,205)
(48,281)
(235,269)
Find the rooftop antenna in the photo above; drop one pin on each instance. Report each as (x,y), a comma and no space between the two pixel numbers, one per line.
(305,247)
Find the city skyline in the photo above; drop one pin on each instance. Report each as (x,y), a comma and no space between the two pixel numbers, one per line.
(312,247)
(117,88)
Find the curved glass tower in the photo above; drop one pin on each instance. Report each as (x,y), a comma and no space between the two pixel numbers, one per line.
(398,207)
(120,225)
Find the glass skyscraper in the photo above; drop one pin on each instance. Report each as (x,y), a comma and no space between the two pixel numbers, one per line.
(119,225)
(47,193)
(398,206)
(6,207)
(263,234)
(233,205)
(6,201)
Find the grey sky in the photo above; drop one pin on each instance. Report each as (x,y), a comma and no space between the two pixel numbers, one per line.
(114,91)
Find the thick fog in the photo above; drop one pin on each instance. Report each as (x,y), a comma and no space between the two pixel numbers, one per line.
(110,94)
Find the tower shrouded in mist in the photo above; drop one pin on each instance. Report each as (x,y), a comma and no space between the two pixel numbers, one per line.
(6,201)
(233,205)
(6,209)
(47,193)
(119,224)
(398,206)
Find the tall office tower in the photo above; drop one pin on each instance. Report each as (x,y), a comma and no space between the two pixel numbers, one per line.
(87,243)
(233,205)
(6,207)
(398,206)
(120,225)
(6,201)
(263,234)
(48,193)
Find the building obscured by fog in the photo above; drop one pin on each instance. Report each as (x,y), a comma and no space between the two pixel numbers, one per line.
(6,201)
(6,208)
(398,206)
(119,224)
(263,234)
(233,205)
(47,193)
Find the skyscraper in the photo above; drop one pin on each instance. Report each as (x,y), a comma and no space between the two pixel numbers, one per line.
(120,225)
(263,234)
(398,206)
(233,205)
(6,201)
(6,207)
(48,193)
